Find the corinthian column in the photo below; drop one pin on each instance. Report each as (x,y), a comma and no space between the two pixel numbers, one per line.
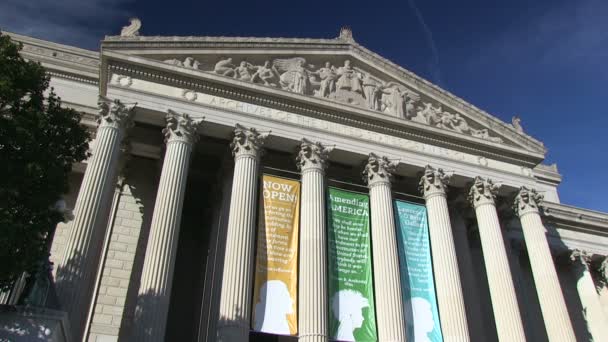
(235,299)
(552,304)
(157,275)
(509,326)
(77,270)
(592,308)
(389,308)
(445,264)
(312,315)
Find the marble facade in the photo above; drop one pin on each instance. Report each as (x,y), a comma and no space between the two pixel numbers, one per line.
(162,242)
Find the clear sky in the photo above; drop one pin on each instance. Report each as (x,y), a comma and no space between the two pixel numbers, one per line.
(544,60)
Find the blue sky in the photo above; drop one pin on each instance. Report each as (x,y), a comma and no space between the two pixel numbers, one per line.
(544,60)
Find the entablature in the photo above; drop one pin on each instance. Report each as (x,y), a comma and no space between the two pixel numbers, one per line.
(422,102)
(122,70)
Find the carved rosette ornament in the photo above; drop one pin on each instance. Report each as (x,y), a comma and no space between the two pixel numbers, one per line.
(527,201)
(312,156)
(378,170)
(247,142)
(181,128)
(433,182)
(114,113)
(483,191)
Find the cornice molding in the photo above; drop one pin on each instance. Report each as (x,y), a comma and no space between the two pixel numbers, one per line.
(575,218)
(163,73)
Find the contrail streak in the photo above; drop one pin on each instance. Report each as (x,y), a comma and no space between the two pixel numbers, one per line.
(434,65)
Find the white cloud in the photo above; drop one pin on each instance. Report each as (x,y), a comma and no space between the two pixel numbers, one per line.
(81,23)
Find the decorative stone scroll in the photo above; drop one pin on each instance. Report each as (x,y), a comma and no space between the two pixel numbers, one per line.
(131,30)
(346,83)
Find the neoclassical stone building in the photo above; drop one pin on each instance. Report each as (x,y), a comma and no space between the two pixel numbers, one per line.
(167,219)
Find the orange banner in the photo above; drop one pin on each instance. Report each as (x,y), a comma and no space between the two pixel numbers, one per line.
(276,278)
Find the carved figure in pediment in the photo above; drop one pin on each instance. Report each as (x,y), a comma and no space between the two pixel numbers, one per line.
(267,74)
(174,61)
(484,134)
(348,78)
(328,76)
(295,75)
(394,101)
(191,63)
(461,125)
(410,99)
(225,67)
(430,113)
(446,121)
(243,71)
(373,90)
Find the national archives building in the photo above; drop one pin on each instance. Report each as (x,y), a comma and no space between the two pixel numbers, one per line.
(280,189)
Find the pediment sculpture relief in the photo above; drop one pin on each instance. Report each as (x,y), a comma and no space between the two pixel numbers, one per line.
(346,83)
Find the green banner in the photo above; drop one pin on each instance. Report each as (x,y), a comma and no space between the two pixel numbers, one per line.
(351,294)
(418,287)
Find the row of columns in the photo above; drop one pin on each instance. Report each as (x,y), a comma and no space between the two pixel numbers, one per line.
(83,249)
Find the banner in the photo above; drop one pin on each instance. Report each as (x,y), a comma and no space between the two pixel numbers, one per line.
(276,271)
(417,283)
(351,296)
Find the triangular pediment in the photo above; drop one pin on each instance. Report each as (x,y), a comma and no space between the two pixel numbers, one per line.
(334,70)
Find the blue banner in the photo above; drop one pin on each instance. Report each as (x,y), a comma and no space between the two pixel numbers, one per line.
(418,287)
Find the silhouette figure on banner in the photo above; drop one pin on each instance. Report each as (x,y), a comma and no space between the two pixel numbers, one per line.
(274,306)
(347,306)
(419,318)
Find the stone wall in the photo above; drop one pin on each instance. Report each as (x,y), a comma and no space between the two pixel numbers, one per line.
(130,221)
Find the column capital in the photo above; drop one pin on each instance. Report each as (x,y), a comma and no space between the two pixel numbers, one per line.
(247,142)
(483,191)
(312,156)
(527,201)
(433,182)
(114,113)
(601,273)
(579,258)
(181,128)
(378,170)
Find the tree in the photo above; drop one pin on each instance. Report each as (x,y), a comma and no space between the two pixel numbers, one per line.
(39,142)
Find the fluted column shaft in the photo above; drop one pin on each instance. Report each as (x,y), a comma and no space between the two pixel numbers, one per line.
(507,316)
(552,303)
(387,284)
(235,299)
(312,313)
(450,298)
(592,308)
(78,268)
(157,274)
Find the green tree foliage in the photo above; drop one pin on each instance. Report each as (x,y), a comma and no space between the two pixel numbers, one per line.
(39,142)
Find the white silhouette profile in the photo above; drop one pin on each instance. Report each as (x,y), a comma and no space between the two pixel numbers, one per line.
(272,310)
(419,317)
(347,306)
